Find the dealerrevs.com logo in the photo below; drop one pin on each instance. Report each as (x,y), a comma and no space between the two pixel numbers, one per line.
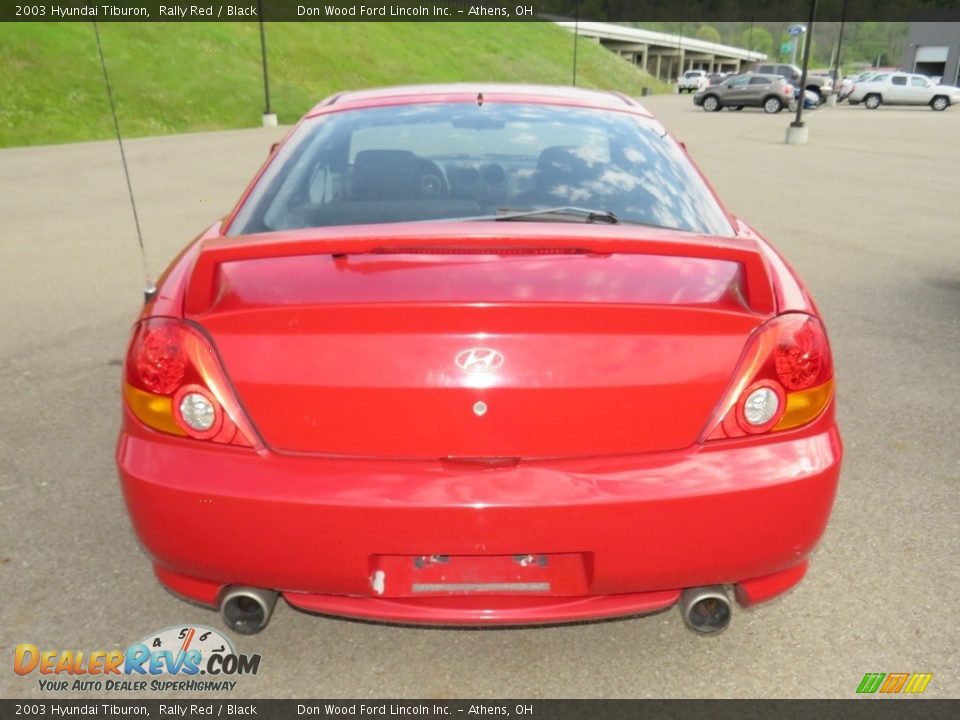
(186,658)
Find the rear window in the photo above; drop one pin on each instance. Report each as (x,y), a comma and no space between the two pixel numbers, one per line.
(760,81)
(421,162)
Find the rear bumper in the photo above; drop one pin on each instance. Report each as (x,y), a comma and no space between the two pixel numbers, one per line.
(616,536)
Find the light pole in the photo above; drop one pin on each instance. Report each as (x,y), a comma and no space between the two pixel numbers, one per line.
(576,38)
(837,63)
(269,117)
(680,42)
(797,132)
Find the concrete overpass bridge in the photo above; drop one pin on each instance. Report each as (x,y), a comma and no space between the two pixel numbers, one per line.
(663,55)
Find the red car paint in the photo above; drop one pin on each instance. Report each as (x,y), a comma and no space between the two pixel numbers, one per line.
(359,478)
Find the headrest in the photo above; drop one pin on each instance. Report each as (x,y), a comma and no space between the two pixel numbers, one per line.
(386,175)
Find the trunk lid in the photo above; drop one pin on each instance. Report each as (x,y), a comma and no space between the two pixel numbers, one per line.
(470,353)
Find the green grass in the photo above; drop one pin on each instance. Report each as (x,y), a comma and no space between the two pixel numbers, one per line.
(184,77)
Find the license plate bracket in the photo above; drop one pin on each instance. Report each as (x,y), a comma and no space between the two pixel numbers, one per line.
(534,574)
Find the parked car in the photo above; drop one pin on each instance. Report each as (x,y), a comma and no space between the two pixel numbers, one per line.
(821,85)
(846,87)
(479,354)
(770,92)
(692,81)
(811,101)
(903,89)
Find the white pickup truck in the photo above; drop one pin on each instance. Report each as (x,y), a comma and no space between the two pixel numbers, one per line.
(692,81)
(899,88)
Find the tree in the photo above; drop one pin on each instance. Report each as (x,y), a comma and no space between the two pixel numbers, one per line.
(759,40)
(708,33)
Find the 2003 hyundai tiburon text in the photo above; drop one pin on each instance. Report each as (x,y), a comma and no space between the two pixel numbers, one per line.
(483,354)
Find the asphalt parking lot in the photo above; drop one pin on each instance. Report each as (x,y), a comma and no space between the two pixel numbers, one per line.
(866,211)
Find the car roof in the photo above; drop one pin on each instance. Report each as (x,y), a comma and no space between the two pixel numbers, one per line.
(767,76)
(461,92)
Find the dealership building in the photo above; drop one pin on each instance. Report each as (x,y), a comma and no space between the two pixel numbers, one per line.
(933,49)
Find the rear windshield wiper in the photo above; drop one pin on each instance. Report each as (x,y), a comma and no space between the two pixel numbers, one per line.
(559,214)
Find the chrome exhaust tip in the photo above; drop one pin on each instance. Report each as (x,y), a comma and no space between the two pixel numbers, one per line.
(706,610)
(247,610)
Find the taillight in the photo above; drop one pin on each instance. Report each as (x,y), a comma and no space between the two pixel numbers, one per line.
(784,380)
(174,383)
(788,89)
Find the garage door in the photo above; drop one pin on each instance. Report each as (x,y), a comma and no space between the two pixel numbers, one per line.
(931,54)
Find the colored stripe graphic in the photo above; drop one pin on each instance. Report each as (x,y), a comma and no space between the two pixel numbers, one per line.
(918,682)
(892,683)
(871,682)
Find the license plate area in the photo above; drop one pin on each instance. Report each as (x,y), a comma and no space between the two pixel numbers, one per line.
(552,575)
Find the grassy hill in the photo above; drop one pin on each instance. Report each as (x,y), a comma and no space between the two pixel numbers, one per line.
(179,77)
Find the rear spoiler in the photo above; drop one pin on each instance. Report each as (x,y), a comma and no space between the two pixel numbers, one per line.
(204,280)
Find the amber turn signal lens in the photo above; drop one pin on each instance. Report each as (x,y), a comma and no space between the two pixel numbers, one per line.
(155,411)
(805,405)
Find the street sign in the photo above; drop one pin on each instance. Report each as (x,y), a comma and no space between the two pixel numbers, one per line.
(786,48)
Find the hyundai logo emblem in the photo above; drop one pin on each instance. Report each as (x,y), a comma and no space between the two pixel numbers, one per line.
(479,360)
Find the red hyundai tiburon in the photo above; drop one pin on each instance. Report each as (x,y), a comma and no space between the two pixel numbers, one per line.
(480,354)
